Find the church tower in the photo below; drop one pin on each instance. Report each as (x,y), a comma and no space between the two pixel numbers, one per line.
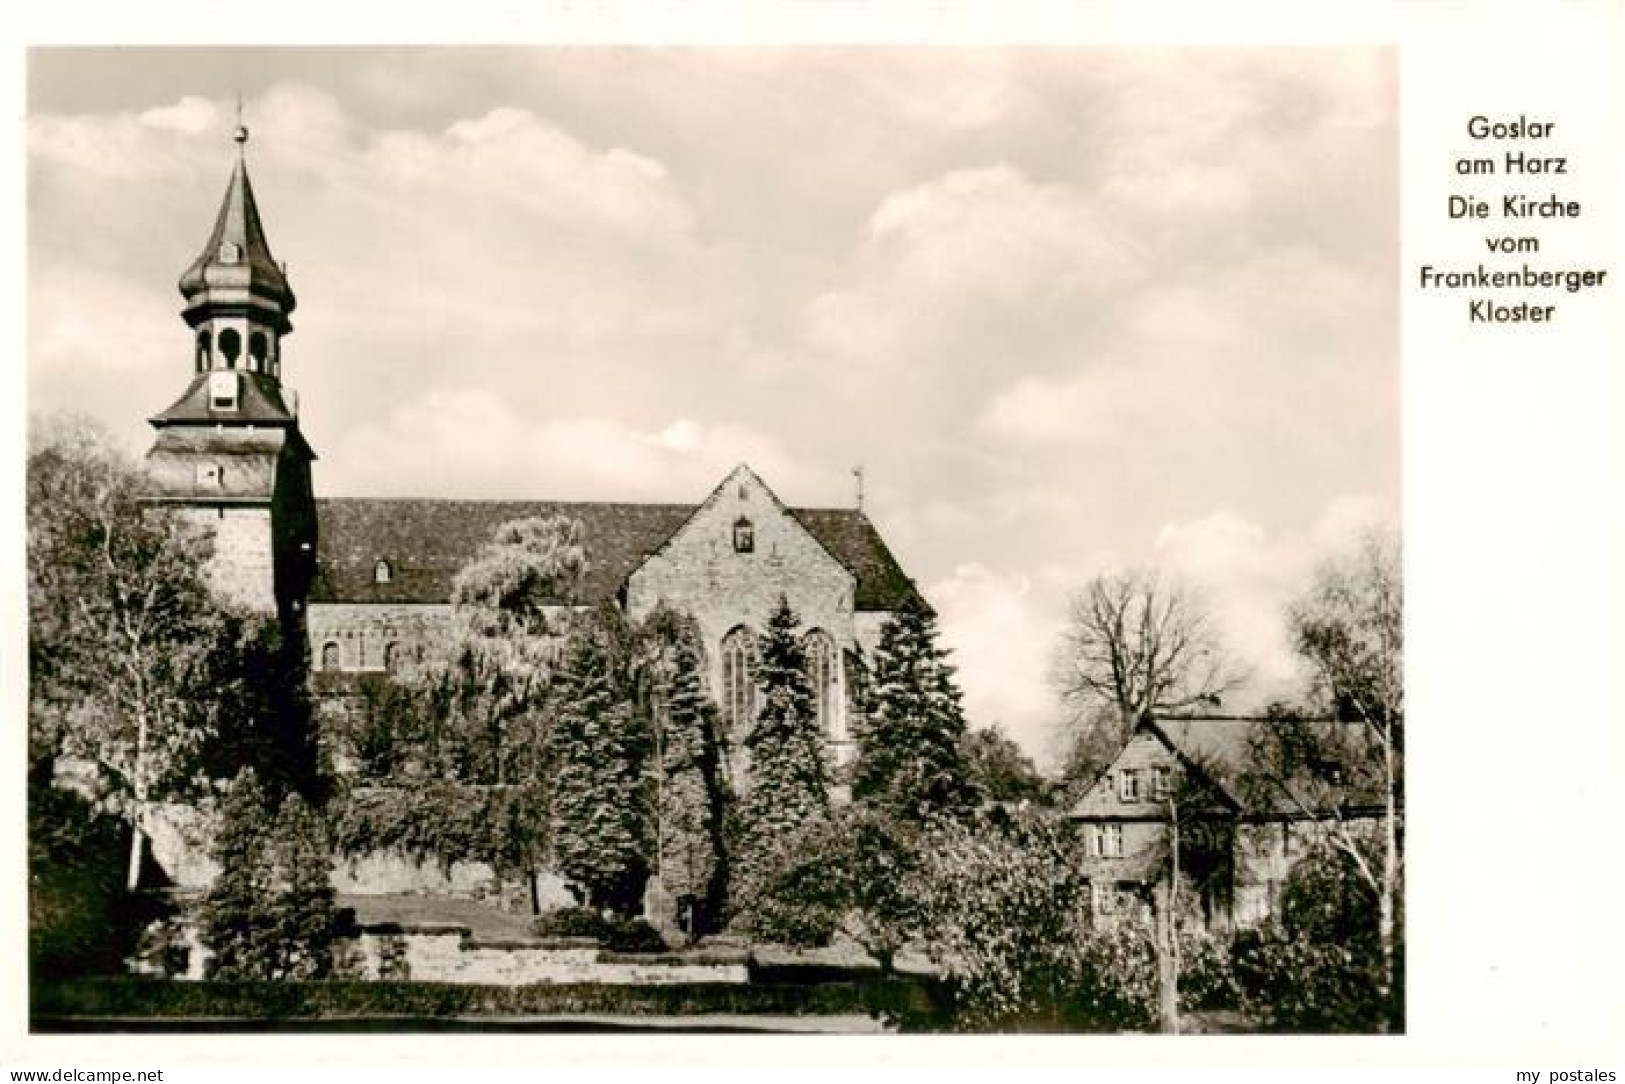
(229,454)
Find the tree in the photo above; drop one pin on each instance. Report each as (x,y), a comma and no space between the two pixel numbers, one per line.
(270,912)
(1003,905)
(461,748)
(690,857)
(787,793)
(131,660)
(1134,647)
(1349,629)
(910,747)
(999,769)
(600,751)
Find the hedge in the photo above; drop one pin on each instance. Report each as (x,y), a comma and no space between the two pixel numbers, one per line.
(911,1004)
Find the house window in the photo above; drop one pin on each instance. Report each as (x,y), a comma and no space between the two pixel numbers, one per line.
(1128,785)
(1105,841)
(382,572)
(820,652)
(738,683)
(330,655)
(1159,784)
(1105,897)
(744,536)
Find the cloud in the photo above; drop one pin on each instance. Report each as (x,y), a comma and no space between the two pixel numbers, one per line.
(1002,633)
(471,442)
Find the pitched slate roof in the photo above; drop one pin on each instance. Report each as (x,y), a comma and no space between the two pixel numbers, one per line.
(427,541)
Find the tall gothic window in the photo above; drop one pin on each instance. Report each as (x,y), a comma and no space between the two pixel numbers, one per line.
(738,684)
(392,656)
(205,342)
(821,673)
(330,655)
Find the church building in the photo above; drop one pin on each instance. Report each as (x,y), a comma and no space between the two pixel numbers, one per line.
(369,581)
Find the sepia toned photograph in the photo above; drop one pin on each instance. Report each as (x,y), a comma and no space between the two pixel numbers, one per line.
(849,540)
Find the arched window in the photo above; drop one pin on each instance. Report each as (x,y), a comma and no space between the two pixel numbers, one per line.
(205,342)
(744,536)
(821,673)
(330,655)
(231,345)
(382,572)
(256,351)
(392,656)
(738,684)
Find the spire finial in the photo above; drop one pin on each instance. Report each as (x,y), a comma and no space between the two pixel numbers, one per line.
(857,474)
(241,134)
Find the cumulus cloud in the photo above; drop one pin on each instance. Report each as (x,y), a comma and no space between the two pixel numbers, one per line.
(472,442)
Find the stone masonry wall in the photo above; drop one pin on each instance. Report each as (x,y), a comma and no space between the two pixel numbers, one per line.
(362,630)
(427,954)
(699,572)
(243,568)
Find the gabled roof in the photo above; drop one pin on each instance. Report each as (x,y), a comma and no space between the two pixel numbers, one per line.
(426,542)
(1220,749)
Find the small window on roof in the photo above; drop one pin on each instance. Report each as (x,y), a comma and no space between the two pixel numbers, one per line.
(382,572)
(744,536)
(230,252)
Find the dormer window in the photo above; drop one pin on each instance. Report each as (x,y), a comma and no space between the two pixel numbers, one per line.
(744,536)
(382,572)
(222,391)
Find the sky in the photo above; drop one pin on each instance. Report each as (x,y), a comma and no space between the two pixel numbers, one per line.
(1072,310)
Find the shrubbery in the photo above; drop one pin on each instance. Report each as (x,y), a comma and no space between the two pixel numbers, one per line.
(611,931)
(1318,967)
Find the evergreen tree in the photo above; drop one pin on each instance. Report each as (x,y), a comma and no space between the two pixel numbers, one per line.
(690,848)
(910,748)
(270,913)
(602,812)
(786,795)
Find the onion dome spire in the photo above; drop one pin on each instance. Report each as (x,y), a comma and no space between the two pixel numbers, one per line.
(236,270)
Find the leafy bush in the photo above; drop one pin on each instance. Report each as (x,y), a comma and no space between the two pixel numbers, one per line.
(572,922)
(1206,978)
(611,931)
(634,935)
(1318,967)
(80,919)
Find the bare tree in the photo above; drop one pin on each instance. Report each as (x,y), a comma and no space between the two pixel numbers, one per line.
(1135,647)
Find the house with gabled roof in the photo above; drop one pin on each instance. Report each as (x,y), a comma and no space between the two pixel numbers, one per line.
(1252,830)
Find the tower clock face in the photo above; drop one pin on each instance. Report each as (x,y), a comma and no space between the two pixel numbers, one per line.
(210,474)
